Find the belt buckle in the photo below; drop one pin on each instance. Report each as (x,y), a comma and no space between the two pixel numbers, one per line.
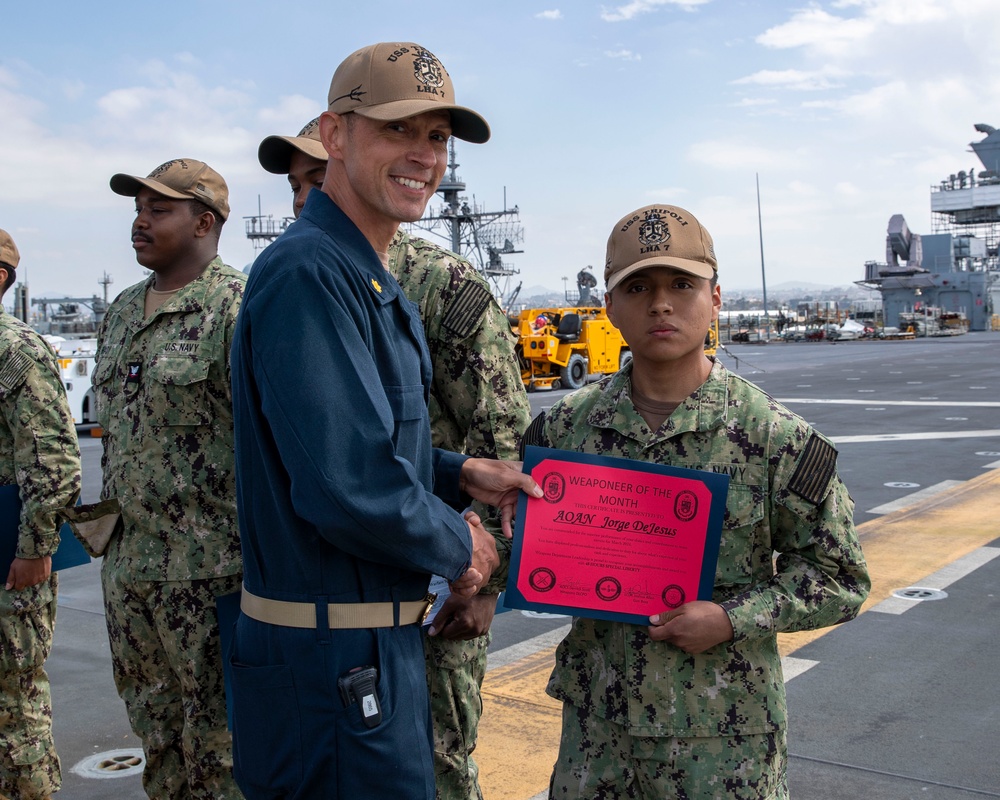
(429,599)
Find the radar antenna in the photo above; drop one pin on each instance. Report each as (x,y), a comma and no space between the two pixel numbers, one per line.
(263,229)
(483,237)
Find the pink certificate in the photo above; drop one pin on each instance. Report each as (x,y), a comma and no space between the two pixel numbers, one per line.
(614,538)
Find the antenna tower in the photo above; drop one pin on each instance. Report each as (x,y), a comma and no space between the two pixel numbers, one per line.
(483,237)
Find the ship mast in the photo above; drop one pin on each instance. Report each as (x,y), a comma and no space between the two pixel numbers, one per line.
(483,237)
(263,229)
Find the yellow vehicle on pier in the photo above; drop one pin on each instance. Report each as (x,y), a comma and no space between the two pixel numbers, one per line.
(567,347)
(563,347)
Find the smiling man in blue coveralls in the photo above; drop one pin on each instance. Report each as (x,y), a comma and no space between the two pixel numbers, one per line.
(345,508)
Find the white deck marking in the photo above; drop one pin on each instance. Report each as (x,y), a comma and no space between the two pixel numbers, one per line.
(914,497)
(941,579)
(904,437)
(508,655)
(870,401)
(792,667)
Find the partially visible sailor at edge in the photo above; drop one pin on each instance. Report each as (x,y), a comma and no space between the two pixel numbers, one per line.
(39,454)
(478,406)
(164,401)
(693,705)
(346,509)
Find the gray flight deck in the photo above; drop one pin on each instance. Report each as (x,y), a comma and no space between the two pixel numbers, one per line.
(898,704)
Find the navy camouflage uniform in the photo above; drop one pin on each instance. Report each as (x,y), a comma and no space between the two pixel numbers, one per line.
(477,406)
(40,454)
(710,725)
(165,404)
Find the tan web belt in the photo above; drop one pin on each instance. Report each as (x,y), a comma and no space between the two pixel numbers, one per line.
(340,615)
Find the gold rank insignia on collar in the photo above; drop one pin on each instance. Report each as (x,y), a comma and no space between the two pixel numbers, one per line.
(376,286)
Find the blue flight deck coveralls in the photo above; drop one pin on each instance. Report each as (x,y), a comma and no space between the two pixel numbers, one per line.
(335,474)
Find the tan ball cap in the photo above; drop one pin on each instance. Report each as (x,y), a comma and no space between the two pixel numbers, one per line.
(396,80)
(275,152)
(8,250)
(180,179)
(658,236)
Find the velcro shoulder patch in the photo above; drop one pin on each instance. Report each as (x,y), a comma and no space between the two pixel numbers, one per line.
(814,472)
(13,369)
(466,309)
(533,435)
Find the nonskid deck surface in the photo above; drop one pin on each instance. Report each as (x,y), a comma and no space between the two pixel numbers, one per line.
(899,704)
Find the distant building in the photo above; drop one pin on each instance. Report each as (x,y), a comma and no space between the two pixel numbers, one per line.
(953,269)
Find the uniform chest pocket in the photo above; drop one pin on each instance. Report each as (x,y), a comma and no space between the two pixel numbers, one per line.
(409,412)
(106,387)
(177,387)
(740,534)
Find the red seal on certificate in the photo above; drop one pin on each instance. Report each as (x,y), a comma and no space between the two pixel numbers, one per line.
(554,486)
(686,506)
(608,589)
(542,579)
(673,596)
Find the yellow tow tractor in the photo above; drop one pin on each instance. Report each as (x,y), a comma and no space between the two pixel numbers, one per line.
(567,347)
(564,347)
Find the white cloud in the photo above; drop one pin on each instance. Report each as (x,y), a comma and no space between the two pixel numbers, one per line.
(871,23)
(624,55)
(637,7)
(727,155)
(671,193)
(802,189)
(753,102)
(796,79)
(187,59)
(290,114)
(63,164)
(814,27)
(555,13)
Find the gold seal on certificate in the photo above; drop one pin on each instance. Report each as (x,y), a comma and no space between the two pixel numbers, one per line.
(613,538)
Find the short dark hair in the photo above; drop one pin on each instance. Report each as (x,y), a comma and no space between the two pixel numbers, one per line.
(11,277)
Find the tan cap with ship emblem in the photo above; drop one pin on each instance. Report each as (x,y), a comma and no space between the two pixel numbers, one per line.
(179,179)
(275,152)
(396,80)
(658,236)
(8,250)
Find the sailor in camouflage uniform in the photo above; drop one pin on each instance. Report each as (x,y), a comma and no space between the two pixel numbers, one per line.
(39,453)
(694,705)
(477,406)
(164,400)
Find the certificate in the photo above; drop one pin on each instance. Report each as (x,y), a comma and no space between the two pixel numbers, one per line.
(613,538)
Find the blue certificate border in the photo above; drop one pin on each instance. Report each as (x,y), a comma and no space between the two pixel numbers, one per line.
(716,482)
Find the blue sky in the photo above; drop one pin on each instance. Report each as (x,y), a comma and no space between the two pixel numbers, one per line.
(849,111)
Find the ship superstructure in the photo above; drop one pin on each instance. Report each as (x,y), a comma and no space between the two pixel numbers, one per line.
(483,237)
(952,271)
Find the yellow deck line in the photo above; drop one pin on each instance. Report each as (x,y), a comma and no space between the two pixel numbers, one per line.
(519,732)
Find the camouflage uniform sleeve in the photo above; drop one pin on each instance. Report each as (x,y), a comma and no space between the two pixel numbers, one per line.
(820,577)
(481,382)
(478,380)
(46,451)
(230,331)
(501,415)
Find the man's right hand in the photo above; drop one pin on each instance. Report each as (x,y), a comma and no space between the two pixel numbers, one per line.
(484,559)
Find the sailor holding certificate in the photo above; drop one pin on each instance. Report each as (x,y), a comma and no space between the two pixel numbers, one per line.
(693,705)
